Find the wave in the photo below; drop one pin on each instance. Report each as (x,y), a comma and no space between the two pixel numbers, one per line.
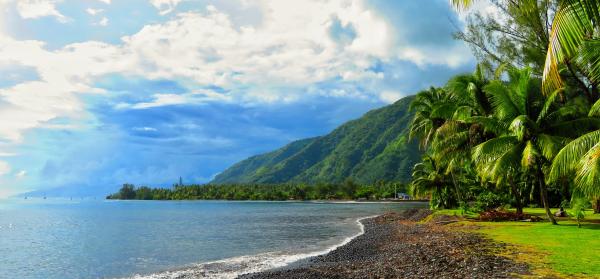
(233,267)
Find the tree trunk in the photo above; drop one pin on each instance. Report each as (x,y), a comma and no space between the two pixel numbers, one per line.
(458,198)
(544,196)
(518,203)
(597,206)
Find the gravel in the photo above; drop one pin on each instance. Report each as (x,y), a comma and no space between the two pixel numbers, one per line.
(395,245)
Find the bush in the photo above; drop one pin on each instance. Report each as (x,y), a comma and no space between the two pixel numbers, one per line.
(495,216)
(489,200)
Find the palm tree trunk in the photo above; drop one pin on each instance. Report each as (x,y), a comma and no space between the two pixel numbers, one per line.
(518,203)
(544,196)
(458,199)
(597,206)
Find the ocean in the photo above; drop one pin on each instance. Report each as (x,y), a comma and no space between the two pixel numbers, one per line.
(61,238)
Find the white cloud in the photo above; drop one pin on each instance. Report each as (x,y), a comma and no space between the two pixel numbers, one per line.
(103,22)
(93,11)
(160,100)
(33,103)
(7,154)
(105,1)
(39,8)
(4,168)
(165,6)
(288,49)
(390,96)
(21,174)
(145,129)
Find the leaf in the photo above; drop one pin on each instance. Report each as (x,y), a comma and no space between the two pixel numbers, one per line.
(587,180)
(573,20)
(566,160)
(595,110)
(503,105)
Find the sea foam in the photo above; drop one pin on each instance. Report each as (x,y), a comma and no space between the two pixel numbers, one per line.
(233,267)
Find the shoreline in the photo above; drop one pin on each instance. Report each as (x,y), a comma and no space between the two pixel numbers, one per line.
(396,245)
(256,263)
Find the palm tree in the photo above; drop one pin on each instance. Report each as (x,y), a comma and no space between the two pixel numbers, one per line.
(467,91)
(580,157)
(535,129)
(430,179)
(432,109)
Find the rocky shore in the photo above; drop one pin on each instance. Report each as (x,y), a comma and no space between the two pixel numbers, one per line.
(395,245)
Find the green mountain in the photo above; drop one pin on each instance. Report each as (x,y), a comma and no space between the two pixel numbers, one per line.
(367,149)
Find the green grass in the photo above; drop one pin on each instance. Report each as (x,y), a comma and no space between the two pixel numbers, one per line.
(589,214)
(563,249)
(456,212)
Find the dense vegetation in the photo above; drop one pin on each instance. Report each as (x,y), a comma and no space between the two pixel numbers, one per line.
(372,148)
(525,127)
(319,191)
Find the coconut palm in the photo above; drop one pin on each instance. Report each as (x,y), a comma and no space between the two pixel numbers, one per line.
(432,108)
(429,179)
(580,158)
(535,130)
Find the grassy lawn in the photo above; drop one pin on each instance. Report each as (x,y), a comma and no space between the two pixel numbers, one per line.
(563,250)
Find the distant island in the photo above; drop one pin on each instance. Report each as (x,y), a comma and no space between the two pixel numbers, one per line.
(270,192)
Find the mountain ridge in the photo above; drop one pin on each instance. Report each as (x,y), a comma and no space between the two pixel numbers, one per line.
(371,148)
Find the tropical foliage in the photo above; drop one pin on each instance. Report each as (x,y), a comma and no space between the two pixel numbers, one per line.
(528,126)
(320,191)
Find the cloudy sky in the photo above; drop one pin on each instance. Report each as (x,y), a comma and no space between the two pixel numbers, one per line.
(94,93)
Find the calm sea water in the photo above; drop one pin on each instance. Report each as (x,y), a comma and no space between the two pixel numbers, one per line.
(158,239)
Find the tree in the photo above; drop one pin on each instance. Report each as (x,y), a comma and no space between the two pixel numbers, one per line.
(431,110)
(571,44)
(430,180)
(581,158)
(535,130)
(516,36)
(127,192)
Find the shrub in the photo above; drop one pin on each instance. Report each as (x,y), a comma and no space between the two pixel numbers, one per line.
(489,200)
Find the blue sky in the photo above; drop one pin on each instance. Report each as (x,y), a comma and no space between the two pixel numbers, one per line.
(96,93)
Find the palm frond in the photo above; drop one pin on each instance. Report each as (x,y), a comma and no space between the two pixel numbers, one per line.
(463,113)
(492,149)
(572,23)
(508,162)
(522,127)
(588,59)
(530,156)
(550,145)
(569,156)
(462,5)
(490,124)
(575,128)
(503,104)
(587,180)
(548,103)
(443,110)
(595,110)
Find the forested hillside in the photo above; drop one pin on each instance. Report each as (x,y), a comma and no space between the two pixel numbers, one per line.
(373,147)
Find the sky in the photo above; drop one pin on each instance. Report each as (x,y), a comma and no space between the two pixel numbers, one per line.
(96,93)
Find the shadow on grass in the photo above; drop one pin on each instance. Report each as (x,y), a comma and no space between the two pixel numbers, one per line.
(584,225)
